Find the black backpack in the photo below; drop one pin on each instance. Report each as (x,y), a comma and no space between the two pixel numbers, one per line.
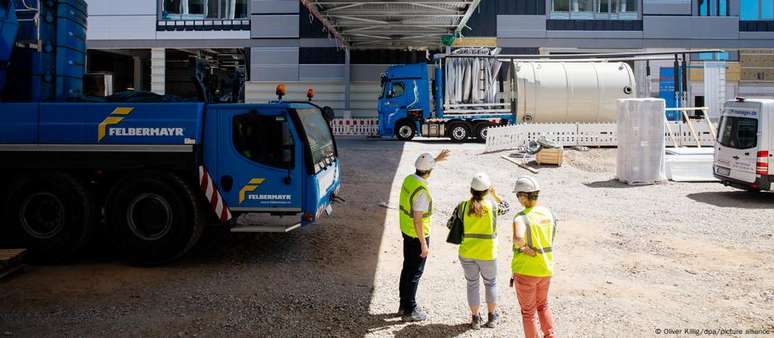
(455,224)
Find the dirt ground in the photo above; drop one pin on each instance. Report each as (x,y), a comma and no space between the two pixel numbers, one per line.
(631,262)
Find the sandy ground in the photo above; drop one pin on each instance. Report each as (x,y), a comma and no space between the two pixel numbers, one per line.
(630,261)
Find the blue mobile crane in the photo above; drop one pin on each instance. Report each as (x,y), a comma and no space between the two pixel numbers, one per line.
(147,175)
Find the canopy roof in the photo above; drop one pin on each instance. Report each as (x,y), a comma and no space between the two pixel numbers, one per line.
(366,24)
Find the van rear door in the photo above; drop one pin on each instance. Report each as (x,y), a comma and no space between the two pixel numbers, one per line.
(738,142)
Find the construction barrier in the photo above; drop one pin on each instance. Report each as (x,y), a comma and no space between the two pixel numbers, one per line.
(677,134)
(355,127)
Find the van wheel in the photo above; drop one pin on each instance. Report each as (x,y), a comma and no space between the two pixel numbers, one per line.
(481,131)
(405,130)
(155,217)
(52,214)
(458,132)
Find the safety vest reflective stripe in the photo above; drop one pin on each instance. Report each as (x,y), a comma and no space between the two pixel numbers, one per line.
(411,187)
(537,250)
(480,236)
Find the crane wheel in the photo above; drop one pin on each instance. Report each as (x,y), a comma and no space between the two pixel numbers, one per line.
(53,214)
(155,217)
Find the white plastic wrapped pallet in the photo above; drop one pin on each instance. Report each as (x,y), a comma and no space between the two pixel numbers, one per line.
(641,143)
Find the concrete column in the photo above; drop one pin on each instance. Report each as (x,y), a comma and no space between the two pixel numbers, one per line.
(158,70)
(347,81)
(641,79)
(137,73)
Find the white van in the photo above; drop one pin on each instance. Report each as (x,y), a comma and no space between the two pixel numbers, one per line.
(744,145)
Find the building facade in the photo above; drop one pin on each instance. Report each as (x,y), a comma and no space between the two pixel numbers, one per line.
(147,44)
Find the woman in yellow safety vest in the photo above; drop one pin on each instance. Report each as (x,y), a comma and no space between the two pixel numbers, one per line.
(534,230)
(478,250)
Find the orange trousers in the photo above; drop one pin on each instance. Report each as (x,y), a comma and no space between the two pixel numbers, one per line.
(532,293)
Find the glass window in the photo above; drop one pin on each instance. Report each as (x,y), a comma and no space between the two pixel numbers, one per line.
(201,9)
(259,138)
(713,7)
(595,9)
(751,10)
(397,90)
(738,132)
(748,10)
(767,9)
(318,134)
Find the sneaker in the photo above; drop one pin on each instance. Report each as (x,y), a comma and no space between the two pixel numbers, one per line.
(475,322)
(417,315)
(492,322)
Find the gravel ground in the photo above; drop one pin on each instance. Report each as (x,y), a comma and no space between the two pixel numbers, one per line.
(630,261)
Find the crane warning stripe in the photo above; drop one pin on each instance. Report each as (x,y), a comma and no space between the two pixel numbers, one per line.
(216,201)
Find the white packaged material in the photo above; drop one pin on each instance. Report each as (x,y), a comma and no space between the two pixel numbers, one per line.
(641,143)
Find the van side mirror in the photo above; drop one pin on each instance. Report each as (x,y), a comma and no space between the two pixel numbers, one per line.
(328,114)
(287,156)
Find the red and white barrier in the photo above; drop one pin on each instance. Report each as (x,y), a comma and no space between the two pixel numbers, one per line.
(355,127)
(217,203)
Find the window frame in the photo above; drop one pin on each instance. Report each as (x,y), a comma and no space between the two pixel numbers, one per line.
(291,147)
(594,14)
(205,15)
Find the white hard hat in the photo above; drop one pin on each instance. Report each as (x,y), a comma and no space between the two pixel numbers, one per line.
(425,162)
(481,182)
(526,184)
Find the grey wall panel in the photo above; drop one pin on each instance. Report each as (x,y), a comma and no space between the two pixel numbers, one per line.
(274,64)
(607,43)
(274,6)
(121,27)
(680,27)
(596,34)
(274,26)
(365,72)
(273,72)
(321,72)
(518,26)
(667,7)
(758,35)
(274,55)
(113,7)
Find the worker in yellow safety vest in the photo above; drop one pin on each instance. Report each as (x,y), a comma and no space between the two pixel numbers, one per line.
(416,207)
(478,250)
(534,230)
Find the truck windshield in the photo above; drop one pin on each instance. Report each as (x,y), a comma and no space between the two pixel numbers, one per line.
(738,132)
(317,133)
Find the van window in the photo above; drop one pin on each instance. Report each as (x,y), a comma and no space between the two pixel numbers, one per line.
(738,132)
(397,90)
(259,138)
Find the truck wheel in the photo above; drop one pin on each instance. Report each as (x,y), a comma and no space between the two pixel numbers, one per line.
(405,130)
(481,131)
(459,132)
(155,217)
(52,214)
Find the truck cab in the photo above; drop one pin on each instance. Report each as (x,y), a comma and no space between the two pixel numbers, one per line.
(743,147)
(277,158)
(404,100)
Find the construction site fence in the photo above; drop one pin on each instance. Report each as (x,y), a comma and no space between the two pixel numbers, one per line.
(676,134)
(355,127)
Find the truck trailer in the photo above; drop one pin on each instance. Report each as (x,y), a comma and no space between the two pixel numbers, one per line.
(149,176)
(471,93)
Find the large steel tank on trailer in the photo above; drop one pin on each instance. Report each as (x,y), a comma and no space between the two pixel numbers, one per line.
(571,91)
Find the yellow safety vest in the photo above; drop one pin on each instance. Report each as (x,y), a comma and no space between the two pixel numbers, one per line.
(479,238)
(411,187)
(541,229)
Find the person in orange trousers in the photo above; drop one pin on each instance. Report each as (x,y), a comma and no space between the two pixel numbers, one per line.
(534,229)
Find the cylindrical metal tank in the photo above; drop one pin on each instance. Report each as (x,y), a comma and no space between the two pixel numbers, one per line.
(572,91)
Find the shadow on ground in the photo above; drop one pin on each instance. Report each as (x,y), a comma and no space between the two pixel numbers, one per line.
(611,183)
(735,199)
(316,281)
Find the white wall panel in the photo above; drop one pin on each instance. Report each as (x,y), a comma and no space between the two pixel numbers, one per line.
(327,93)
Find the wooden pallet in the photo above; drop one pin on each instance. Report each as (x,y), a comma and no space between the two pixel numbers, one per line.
(11,260)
